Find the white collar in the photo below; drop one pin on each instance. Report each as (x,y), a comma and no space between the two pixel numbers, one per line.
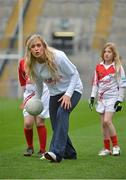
(113,63)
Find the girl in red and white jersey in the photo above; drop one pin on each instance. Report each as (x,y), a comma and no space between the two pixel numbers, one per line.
(109,83)
(29,91)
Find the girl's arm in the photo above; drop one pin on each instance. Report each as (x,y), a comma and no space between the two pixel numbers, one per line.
(122,84)
(21,73)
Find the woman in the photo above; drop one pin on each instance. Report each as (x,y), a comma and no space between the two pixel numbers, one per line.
(108,84)
(28,92)
(45,64)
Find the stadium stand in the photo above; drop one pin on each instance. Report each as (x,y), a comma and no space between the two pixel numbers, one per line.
(81,15)
(6,9)
(81,18)
(33,12)
(103,23)
(118,27)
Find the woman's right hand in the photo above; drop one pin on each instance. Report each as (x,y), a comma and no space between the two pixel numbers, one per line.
(65,102)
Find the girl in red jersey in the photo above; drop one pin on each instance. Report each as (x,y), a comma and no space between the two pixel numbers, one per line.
(108,84)
(29,91)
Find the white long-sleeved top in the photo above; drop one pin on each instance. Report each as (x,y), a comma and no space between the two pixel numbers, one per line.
(69,77)
(107,83)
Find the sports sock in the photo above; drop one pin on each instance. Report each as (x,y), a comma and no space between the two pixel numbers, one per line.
(42,134)
(107,144)
(114,140)
(29,137)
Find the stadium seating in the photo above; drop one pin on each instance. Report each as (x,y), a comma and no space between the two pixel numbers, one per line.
(118,27)
(74,16)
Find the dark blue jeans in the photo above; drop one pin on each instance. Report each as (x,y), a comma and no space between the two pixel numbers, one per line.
(61,144)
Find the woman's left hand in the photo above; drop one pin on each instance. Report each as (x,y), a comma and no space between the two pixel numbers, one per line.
(65,102)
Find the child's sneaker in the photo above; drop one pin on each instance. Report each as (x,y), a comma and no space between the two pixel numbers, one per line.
(116,151)
(104,152)
(29,151)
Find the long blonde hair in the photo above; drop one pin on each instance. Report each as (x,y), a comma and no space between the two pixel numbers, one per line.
(116,56)
(47,58)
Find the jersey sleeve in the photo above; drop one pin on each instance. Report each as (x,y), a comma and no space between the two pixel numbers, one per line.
(122,83)
(122,78)
(21,73)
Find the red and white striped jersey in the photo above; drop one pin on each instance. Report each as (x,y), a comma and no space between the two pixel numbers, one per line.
(29,90)
(23,78)
(25,82)
(107,83)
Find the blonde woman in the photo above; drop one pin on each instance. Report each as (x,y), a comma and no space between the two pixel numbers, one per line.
(109,83)
(45,64)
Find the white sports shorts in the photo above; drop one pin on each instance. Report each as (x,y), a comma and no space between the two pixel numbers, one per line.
(45,101)
(106,105)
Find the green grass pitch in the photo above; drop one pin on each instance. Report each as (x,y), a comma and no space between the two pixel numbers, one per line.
(86,136)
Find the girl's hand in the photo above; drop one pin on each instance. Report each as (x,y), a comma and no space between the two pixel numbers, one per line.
(65,102)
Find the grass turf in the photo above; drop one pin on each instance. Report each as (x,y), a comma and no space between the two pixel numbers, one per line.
(85,134)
